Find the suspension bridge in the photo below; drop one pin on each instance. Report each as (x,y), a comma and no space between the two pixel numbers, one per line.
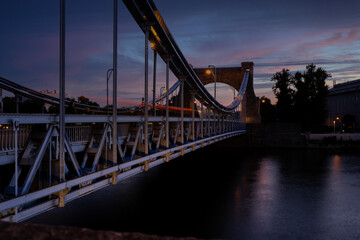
(47,160)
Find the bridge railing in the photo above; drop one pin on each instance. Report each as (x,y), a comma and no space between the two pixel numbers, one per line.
(78,134)
(75,134)
(7,140)
(27,205)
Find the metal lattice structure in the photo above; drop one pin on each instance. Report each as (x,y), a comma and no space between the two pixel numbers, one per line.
(54,158)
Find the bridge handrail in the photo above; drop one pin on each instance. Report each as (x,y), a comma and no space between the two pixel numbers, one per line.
(23,199)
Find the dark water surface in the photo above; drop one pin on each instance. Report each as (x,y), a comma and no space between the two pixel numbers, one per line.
(228,193)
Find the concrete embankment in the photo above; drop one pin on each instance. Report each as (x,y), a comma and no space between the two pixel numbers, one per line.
(289,135)
(270,135)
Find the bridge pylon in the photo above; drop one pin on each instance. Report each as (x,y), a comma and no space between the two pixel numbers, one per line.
(233,76)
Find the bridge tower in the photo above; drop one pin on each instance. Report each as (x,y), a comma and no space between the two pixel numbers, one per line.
(233,76)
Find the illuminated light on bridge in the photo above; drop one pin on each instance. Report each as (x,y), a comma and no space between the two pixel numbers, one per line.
(130,141)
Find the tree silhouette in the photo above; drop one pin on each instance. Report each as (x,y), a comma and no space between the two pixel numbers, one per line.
(284,94)
(267,110)
(85,100)
(310,97)
(24,106)
(302,97)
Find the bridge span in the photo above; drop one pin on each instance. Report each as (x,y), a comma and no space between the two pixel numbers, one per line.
(47,160)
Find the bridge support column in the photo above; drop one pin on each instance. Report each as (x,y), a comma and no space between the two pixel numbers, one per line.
(62,93)
(208,121)
(114,115)
(182,81)
(154,84)
(167,130)
(214,123)
(222,124)
(202,121)
(16,129)
(193,93)
(147,29)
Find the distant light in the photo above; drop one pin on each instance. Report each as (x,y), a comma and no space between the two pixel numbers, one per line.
(152,45)
(263,101)
(337,118)
(208,72)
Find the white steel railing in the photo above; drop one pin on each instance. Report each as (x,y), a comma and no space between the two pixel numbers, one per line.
(80,186)
(7,137)
(78,133)
(75,134)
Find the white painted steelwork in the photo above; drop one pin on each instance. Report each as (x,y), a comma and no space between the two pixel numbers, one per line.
(120,170)
(64,156)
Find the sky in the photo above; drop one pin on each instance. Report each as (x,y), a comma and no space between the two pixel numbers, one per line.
(273,34)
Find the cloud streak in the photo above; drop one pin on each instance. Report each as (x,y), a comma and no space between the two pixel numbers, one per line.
(274,34)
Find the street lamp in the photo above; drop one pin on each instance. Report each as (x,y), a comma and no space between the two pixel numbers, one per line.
(340,122)
(214,74)
(108,75)
(152,45)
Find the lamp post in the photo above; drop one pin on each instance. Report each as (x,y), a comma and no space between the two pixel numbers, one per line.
(62,93)
(214,74)
(114,112)
(152,45)
(108,75)
(340,122)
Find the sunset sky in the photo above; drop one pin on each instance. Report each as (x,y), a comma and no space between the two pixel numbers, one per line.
(273,34)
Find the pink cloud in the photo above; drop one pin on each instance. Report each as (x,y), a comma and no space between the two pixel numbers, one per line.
(274,69)
(336,37)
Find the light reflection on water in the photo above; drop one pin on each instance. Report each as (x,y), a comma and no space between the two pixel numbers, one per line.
(211,194)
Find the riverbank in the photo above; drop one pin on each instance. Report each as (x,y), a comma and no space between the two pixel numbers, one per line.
(289,136)
(29,231)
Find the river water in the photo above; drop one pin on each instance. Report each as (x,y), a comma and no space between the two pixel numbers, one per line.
(230,193)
